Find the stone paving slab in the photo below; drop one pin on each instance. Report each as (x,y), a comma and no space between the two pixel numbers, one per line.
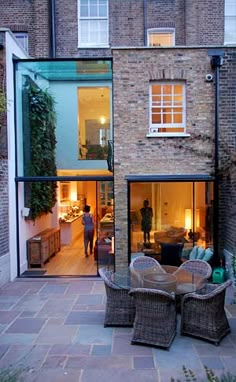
(52,330)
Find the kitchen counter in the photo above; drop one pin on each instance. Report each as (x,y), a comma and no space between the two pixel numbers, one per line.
(71,229)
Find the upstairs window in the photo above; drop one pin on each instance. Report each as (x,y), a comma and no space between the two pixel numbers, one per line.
(93,23)
(167,108)
(161,37)
(230,22)
(22,38)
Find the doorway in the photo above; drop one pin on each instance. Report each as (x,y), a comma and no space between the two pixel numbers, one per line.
(56,243)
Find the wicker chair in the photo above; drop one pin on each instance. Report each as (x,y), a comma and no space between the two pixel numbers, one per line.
(155,318)
(142,264)
(120,307)
(197,266)
(203,314)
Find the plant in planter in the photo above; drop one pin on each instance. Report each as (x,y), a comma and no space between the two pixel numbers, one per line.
(39,154)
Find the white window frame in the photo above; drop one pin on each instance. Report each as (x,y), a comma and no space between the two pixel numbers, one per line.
(230,19)
(154,127)
(22,38)
(157,31)
(91,44)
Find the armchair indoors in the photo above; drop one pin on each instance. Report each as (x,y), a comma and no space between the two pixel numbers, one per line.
(203,314)
(120,307)
(155,318)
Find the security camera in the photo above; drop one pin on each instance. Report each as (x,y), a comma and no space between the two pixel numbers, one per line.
(209,77)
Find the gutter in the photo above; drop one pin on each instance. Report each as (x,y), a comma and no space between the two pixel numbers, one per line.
(216,62)
(52,28)
(145,21)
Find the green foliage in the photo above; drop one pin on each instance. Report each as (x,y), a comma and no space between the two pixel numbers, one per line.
(189,376)
(2,102)
(42,121)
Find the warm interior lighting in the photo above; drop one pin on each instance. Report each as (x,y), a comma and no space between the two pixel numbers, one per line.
(112,244)
(73,196)
(188,218)
(197,218)
(102,120)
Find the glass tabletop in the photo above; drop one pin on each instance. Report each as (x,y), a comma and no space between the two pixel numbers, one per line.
(181,282)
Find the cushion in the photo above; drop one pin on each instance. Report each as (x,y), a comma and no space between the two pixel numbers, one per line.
(200,253)
(185,253)
(193,253)
(208,254)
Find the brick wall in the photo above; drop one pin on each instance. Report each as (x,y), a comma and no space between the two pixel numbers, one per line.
(227,139)
(196,23)
(135,153)
(31,17)
(4,229)
(204,22)
(3,119)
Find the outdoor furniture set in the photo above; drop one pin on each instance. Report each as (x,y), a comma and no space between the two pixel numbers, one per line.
(152,311)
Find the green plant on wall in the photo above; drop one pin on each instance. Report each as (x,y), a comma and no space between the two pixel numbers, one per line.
(39,154)
(2,102)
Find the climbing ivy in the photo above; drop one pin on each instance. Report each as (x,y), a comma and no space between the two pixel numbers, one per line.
(40,150)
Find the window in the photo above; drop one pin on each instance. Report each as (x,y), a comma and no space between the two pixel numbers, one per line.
(161,37)
(22,38)
(167,108)
(93,23)
(230,21)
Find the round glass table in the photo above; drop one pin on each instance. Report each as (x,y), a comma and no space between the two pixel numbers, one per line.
(174,279)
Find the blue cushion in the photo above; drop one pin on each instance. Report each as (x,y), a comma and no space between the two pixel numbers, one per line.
(193,253)
(208,254)
(200,253)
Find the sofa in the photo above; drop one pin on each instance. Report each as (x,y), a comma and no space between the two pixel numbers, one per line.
(170,235)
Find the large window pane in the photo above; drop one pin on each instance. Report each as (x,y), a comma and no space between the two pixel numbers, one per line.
(182,212)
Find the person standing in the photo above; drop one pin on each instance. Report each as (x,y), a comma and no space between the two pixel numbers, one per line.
(88,222)
(146,223)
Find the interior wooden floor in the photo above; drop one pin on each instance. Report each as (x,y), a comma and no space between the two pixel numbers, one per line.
(70,261)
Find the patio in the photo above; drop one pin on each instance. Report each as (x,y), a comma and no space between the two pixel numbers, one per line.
(53,330)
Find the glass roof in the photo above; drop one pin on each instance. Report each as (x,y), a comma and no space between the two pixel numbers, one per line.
(68,70)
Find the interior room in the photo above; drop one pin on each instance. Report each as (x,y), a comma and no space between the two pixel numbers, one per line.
(182,212)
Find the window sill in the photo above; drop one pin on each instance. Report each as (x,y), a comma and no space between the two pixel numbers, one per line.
(94,47)
(166,135)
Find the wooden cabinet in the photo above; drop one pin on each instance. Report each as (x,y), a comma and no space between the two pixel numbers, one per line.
(42,246)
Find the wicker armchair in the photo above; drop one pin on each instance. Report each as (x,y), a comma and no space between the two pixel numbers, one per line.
(120,307)
(155,318)
(142,264)
(203,314)
(197,266)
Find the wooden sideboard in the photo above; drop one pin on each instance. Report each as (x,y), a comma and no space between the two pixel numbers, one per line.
(42,246)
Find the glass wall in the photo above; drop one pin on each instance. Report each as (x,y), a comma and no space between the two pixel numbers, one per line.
(179,212)
(63,120)
(104,249)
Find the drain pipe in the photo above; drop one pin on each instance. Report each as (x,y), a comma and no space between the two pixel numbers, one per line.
(145,21)
(52,27)
(216,62)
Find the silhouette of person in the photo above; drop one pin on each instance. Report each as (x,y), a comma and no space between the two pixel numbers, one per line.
(146,223)
(88,222)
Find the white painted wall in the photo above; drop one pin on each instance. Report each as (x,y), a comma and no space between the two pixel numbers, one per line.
(12,49)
